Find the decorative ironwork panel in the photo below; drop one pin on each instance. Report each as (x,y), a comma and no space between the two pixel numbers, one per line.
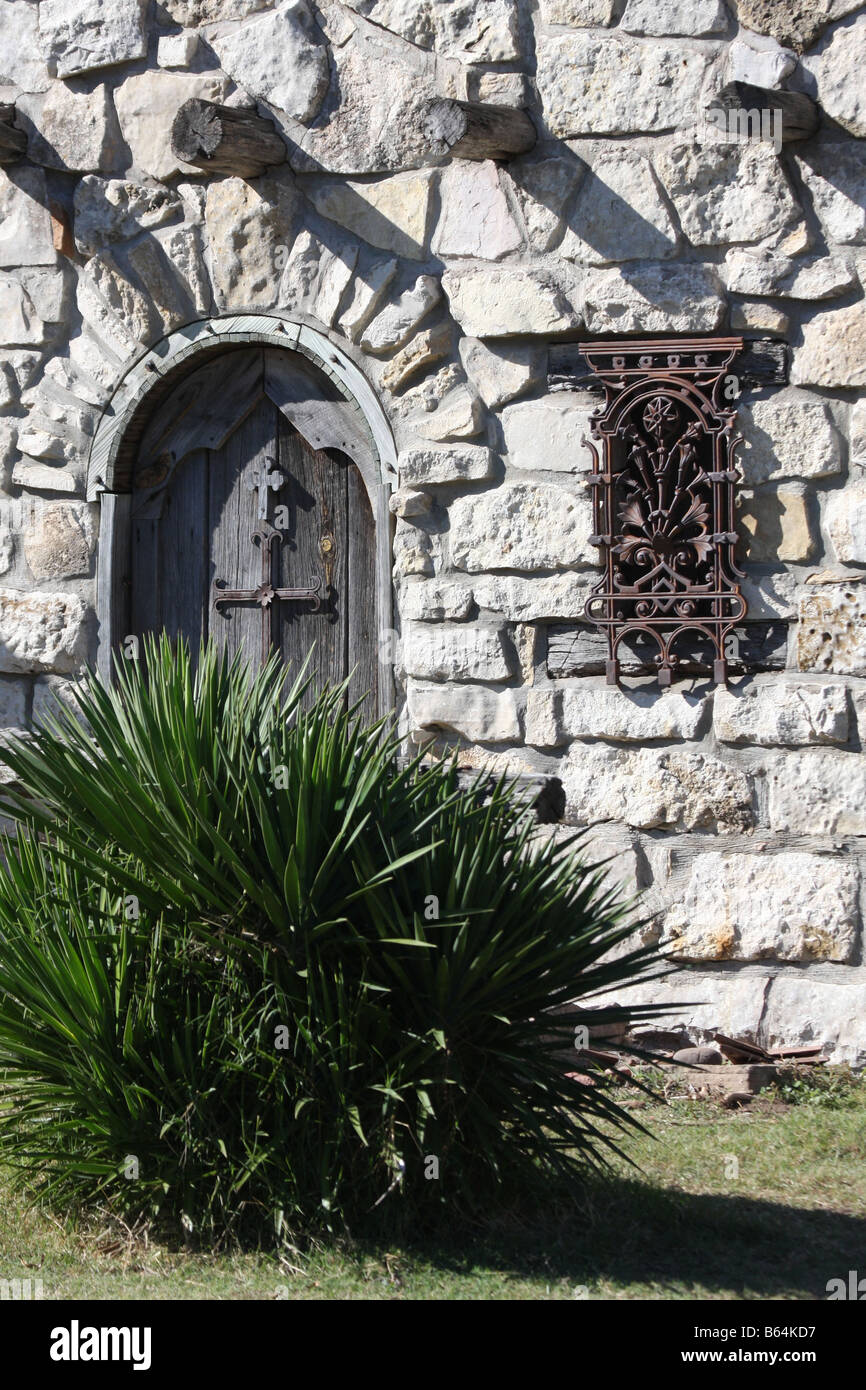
(664,479)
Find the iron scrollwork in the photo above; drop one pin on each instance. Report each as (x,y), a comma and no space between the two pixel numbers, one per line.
(664,481)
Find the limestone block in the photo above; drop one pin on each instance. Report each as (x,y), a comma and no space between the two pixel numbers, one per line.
(817,791)
(412,19)
(476,33)
(427,346)
(475,219)
(831,635)
(498,88)
(619,214)
(474,712)
(593,84)
(725,193)
(396,323)
(390,213)
(578,13)
(792,906)
(50,695)
(833,352)
(521,526)
(146,106)
(368,289)
(526,600)
(433,601)
(70,129)
(804,1009)
(504,371)
(629,716)
(176,50)
(457,464)
(760,67)
(778,525)
(248,230)
(171,268)
(58,540)
(653,788)
(789,715)
(19,321)
(409,502)
(315,278)
(689,17)
(728,1003)
(40,631)
(120,312)
(443,653)
(277,57)
(25,222)
(652,299)
(548,434)
(111,210)
(81,35)
(788,436)
(834,171)
(857,432)
(756,316)
(796,23)
(43,477)
(502,303)
(21,61)
(196,12)
(459,414)
(13,704)
(758,272)
(544,188)
(837,68)
(47,291)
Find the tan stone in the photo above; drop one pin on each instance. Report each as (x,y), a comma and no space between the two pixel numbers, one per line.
(41,631)
(475,219)
(834,349)
(249,227)
(786,714)
(831,634)
(753,315)
(816,791)
(474,712)
(778,526)
(146,106)
(390,213)
(58,541)
(426,347)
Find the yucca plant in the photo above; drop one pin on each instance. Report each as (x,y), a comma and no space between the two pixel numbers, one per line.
(258,972)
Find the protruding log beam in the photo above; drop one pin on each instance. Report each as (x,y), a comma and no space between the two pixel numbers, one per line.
(13,142)
(225,139)
(469,130)
(766,114)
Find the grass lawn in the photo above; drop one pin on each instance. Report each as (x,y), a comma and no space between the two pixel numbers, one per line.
(763,1203)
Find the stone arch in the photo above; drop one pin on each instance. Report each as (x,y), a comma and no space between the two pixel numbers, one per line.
(352,420)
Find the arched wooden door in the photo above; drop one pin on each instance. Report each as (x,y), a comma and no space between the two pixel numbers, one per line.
(242,530)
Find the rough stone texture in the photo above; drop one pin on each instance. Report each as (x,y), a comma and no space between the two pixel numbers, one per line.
(732,1004)
(176,50)
(58,542)
(196,12)
(475,219)
(527,600)
(389,213)
(409,502)
(110,210)
(13,704)
(146,105)
(857,432)
(371,282)
(835,174)
(398,320)
(521,526)
(458,415)
(778,525)
(837,67)
(278,57)
(80,35)
(478,714)
(43,477)
(652,299)
(41,632)
(70,129)
(833,352)
(170,267)
(430,345)
(788,715)
(246,224)
(19,321)
(120,312)
(691,17)
(766,907)
(478,33)
(454,653)
(845,517)
(619,215)
(725,193)
(654,788)
(796,23)
(21,63)
(548,434)
(788,437)
(433,601)
(503,372)
(544,188)
(817,791)
(831,635)
(578,13)
(817,1010)
(753,272)
(760,67)
(25,223)
(503,303)
(555,715)
(467,463)
(597,85)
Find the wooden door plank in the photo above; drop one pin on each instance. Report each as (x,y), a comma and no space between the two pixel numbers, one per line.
(362,636)
(183,552)
(234,557)
(315,406)
(202,411)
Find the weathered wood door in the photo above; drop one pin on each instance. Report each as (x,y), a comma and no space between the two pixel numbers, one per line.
(242,530)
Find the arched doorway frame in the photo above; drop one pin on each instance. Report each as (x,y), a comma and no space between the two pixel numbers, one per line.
(136,395)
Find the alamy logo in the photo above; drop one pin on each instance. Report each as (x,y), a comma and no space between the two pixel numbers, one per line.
(854,1289)
(741,126)
(76,1343)
(18,1289)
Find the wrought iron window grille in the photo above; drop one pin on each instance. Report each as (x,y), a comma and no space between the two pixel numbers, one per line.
(664,480)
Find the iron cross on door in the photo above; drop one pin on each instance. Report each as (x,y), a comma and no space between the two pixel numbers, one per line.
(264,481)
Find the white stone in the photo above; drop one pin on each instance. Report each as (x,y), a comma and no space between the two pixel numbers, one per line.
(599,85)
(146,106)
(652,299)
(817,791)
(19,321)
(120,313)
(701,1005)
(499,88)
(396,323)
(279,58)
(831,633)
(548,434)
(81,35)
(25,222)
(485,33)
(412,19)
(67,129)
(834,171)
(760,67)
(521,526)
(688,17)
(857,432)
(653,788)
(845,515)
(792,906)
(50,695)
(458,415)
(315,278)
(503,372)
(790,715)
(474,712)
(526,600)
(502,303)
(750,272)
(803,1009)
(475,219)
(170,266)
(176,50)
(110,210)
(21,63)
(466,463)
(368,289)
(788,437)
(578,13)
(442,653)
(729,192)
(58,540)
(833,352)
(555,715)
(430,345)
(434,601)
(390,213)
(40,631)
(619,215)
(837,67)
(544,188)
(757,316)
(249,229)
(409,502)
(43,477)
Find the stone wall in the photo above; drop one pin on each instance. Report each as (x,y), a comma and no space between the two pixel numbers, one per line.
(741,812)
